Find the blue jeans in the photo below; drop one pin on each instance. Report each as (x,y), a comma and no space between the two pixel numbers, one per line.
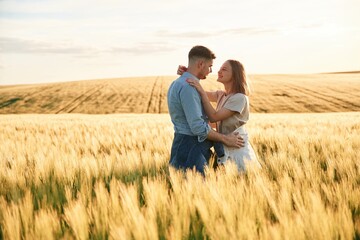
(187,152)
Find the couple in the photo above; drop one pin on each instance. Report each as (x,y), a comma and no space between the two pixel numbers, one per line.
(190,110)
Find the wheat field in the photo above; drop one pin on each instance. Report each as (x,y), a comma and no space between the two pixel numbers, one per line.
(76,176)
(271,94)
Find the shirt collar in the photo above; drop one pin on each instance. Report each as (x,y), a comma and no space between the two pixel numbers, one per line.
(189,75)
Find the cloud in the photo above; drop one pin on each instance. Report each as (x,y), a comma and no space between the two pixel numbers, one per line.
(311,25)
(12,8)
(249,31)
(192,34)
(145,48)
(17,45)
(25,46)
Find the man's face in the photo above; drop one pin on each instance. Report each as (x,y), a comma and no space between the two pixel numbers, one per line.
(205,68)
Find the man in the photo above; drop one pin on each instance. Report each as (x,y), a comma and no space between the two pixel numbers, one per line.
(193,135)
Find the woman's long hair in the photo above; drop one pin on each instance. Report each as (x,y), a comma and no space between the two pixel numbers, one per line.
(240,84)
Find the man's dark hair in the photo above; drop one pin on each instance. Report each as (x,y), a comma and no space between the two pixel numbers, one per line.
(201,52)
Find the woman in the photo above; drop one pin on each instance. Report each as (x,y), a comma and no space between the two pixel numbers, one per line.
(232,110)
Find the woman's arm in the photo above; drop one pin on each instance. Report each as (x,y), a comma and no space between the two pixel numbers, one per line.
(211,95)
(181,69)
(213,115)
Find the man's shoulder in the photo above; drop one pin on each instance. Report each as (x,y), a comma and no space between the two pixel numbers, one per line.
(183,89)
(176,83)
(180,86)
(181,83)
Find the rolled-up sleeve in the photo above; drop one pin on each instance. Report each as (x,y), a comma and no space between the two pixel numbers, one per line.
(191,103)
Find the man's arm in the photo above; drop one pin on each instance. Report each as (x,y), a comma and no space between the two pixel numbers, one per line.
(191,104)
(231,140)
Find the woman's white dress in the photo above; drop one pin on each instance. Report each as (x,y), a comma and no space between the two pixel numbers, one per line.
(238,103)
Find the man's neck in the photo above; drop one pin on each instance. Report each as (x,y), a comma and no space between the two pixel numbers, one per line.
(193,72)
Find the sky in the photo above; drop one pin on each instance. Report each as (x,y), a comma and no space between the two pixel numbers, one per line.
(55,41)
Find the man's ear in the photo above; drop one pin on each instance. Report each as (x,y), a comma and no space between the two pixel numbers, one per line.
(200,63)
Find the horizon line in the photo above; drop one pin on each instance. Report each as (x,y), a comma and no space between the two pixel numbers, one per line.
(165,75)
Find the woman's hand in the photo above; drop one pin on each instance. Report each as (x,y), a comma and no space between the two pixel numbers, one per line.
(196,85)
(181,70)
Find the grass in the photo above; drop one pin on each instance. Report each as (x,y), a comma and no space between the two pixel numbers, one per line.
(106,177)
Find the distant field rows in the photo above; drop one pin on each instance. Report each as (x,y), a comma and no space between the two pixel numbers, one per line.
(271,94)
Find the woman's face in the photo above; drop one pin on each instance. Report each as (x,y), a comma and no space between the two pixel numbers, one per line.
(225,73)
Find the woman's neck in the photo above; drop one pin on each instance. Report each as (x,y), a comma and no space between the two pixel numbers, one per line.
(228,88)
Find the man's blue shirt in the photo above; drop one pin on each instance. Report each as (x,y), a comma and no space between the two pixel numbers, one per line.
(186,111)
